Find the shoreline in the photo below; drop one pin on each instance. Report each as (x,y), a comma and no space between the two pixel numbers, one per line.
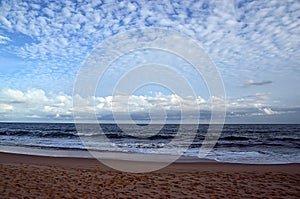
(116,155)
(15,158)
(102,154)
(58,177)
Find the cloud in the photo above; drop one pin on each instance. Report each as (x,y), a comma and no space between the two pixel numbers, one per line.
(257,104)
(269,111)
(230,31)
(4,39)
(37,104)
(245,39)
(5,107)
(256,101)
(253,83)
(33,103)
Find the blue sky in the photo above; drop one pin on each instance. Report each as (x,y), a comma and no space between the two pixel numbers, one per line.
(254,45)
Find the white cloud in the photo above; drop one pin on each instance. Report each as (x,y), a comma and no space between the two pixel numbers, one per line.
(229,31)
(269,111)
(4,39)
(248,101)
(5,22)
(5,108)
(32,96)
(35,103)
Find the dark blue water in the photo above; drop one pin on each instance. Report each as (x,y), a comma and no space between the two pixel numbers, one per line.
(237,143)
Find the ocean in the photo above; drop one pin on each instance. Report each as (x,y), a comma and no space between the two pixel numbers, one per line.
(238,143)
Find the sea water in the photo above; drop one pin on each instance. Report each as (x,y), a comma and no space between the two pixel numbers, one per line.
(238,143)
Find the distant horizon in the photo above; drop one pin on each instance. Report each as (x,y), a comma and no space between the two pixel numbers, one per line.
(68,122)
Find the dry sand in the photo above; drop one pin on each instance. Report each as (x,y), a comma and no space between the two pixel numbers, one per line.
(24,176)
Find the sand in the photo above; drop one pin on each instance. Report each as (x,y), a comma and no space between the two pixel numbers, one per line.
(24,176)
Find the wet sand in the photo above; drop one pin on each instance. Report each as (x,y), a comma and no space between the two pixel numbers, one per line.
(25,176)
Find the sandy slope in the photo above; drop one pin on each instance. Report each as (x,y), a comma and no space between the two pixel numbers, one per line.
(24,176)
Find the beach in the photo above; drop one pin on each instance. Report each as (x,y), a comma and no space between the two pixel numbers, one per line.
(27,176)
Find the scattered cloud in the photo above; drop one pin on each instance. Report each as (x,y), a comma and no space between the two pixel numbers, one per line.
(4,39)
(233,33)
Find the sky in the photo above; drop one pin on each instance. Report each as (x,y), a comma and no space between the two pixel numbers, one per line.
(255,46)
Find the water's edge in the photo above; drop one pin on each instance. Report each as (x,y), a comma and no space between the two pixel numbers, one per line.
(110,155)
(82,153)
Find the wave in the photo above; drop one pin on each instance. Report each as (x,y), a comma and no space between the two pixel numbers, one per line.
(115,135)
(240,138)
(74,134)
(285,139)
(38,133)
